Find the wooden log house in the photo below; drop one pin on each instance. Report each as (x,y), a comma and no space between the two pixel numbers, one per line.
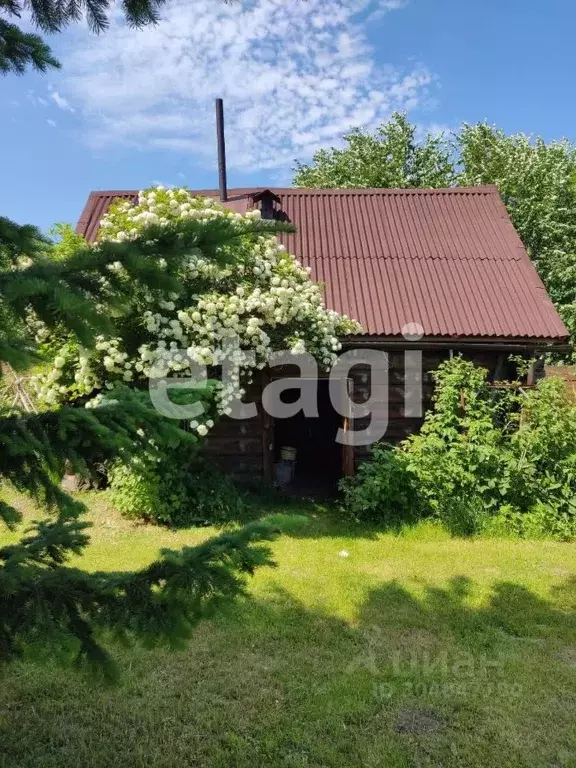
(445,260)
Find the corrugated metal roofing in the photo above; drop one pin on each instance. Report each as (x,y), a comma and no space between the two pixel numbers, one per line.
(447,259)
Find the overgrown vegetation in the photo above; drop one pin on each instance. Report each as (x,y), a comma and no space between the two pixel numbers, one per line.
(181,487)
(500,460)
(383,489)
(173,277)
(247,290)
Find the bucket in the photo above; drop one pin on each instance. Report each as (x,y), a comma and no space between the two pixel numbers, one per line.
(287,453)
(284,473)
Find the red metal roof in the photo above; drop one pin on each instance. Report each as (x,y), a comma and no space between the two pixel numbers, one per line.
(448,259)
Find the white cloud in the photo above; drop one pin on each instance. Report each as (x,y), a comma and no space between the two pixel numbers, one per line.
(435,129)
(36,100)
(294,76)
(60,101)
(52,123)
(439,129)
(383,7)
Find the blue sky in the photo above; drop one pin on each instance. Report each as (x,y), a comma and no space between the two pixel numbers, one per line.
(132,108)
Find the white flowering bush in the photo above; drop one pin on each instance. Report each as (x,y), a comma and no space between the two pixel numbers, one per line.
(254,292)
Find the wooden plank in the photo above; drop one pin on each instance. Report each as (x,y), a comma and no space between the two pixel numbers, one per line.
(234,465)
(232,446)
(348,465)
(267,436)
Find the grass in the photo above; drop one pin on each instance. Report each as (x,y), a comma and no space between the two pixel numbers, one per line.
(413,650)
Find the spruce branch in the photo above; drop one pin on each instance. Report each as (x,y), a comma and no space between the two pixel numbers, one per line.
(46,605)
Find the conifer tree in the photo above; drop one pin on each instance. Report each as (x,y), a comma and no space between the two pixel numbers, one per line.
(20,49)
(44,603)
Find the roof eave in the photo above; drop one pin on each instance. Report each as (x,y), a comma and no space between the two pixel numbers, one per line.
(502,343)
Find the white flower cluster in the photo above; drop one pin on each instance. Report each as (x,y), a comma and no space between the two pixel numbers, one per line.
(72,375)
(37,328)
(160,206)
(114,359)
(262,297)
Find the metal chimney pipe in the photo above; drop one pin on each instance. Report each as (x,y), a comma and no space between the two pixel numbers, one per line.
(221,150)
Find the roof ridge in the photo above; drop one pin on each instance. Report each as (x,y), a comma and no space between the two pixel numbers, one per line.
(475,190)
(237,191)
(418,257)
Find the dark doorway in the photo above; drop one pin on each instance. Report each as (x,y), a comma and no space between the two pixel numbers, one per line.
(318,455)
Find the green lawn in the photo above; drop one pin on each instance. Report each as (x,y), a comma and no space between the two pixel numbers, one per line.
(413,650)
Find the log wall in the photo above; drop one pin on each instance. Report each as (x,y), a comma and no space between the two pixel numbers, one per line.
(243,448)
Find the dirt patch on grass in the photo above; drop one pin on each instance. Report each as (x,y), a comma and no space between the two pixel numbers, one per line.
(418,721)
(568,655)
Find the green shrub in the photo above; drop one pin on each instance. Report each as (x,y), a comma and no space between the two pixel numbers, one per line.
(461,452)
(383,490)
(485,460)
(180,489)
(545,448)
(540,522)
(463,516)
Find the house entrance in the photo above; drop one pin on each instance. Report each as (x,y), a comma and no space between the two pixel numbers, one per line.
(318,457)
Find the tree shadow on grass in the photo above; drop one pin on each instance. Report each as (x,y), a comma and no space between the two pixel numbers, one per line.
(433,677)
(311,519)
(427,679)
(319,521)
(305,518)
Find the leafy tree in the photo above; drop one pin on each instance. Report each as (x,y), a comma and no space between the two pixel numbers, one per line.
(536,179)
(67,241)
(537,182)
(390,157)
(44,603)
